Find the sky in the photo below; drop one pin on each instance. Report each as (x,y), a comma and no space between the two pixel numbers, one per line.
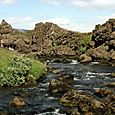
(76,15)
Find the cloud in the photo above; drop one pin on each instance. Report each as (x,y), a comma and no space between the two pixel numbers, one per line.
(85,3)
(59,21)
(70,25)
(16,20)
(94,3)
(82,26)
(20,22)
(54,2)
(29,23)
(7,1)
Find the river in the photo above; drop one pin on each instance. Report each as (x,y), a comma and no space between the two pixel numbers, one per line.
(87,77)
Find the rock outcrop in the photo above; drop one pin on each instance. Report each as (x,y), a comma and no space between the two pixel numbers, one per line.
(102,45)
(50,40)
(55,41)
(5,28)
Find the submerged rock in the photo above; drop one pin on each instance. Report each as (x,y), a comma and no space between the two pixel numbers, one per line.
(61,84)
(112,84)
(17,102)
(65,78)
(103,92)
(57,86)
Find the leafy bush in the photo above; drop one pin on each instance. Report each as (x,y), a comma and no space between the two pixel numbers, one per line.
(16,72)
(16,69)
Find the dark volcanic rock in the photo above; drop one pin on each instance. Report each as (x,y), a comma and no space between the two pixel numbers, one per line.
(57,86)
(55,41)
(86,104)
(102,46)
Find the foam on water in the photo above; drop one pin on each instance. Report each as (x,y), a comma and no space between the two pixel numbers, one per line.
(101,74)
(51,113)
(74,62)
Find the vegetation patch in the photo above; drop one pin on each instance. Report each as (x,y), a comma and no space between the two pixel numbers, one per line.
(15,68)
(85,41)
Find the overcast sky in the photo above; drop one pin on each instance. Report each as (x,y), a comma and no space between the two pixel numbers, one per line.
(76,15)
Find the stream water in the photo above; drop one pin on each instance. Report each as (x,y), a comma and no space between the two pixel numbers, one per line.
(39,101)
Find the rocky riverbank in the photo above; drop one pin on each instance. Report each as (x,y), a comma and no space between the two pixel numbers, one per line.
(49,40)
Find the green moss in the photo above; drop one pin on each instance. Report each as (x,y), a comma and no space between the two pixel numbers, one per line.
(86,39)
(15,68)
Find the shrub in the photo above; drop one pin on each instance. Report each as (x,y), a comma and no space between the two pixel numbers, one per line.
(84,42)
(17,69)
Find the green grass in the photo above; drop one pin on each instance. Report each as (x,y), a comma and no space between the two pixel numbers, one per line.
(37,69)
(14,66)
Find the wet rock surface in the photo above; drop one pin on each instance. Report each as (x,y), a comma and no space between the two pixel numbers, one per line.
(17,102)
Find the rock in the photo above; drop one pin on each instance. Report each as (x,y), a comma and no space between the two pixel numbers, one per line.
(61,84)
(17,102)
(103,92)
(57,86)
(74,111)
(31,81)
(112,84)
(102,44)
(110,109)
(98,104)
(113,75)
(64,50)
(85,58)
(65,78)
(56,71)
(89,113)
(74,99)
(5,28)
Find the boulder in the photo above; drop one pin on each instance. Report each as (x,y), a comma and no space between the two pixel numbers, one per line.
(5,28)
(102,44)
(17,102)
(57,86)
(65,78)
(73,111)
(113,75)
(74,99)
(103,92)
(112,84)
(85,58)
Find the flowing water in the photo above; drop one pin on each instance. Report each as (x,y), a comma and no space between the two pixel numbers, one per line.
(39,101)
